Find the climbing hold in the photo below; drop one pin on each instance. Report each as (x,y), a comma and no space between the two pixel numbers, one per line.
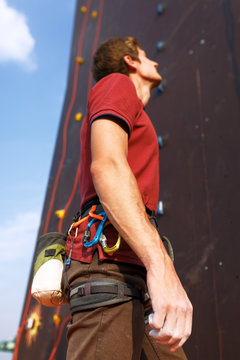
(202,42)
(83,9)
(60,213)
(79,60)
(160,208)
(94,14)
(78,116)
(160,142)
(160,46)
(160,9)
(29,324)
(160,89)
(56,319)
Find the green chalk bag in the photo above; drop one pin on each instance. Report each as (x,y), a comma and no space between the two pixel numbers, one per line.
(48,270)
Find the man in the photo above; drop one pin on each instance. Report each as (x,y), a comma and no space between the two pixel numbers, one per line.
(120,175)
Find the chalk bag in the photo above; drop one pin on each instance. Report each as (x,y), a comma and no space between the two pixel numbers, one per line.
(48,270)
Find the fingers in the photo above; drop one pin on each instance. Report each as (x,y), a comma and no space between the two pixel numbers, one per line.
(176,327)
(187,329)
(172,318)
(169,333)
(156,320)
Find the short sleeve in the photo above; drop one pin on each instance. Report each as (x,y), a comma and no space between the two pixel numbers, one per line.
(114,95)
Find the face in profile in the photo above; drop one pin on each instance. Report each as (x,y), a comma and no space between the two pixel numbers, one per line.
(147,68)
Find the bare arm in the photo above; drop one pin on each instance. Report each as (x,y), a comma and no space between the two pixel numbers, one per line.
(119,194)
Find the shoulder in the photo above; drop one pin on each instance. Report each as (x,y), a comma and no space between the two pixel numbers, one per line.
(114,95)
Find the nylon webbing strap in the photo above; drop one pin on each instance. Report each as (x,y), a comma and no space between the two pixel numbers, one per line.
(95,201)
(102,292)
(102,286)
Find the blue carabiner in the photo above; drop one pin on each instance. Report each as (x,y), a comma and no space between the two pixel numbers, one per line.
(90,224)
(99,230)
(87,232)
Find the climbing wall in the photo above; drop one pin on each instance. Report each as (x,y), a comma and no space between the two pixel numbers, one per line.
(196,113)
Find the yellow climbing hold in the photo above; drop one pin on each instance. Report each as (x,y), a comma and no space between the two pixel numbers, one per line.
(56,319)
(83,9)
(60,213)
(79,60)
(78,116)
(94,14)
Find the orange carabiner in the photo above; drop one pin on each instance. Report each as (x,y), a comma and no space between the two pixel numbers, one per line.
(77,223)
(95,216)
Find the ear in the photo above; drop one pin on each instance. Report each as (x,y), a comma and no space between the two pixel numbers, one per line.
(130,62)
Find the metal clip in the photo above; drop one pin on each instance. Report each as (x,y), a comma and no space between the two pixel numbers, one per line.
(87,235)
(106,249)
(99,230)
(103,241)
(68,261)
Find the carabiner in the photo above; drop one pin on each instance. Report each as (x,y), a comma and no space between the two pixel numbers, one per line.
(87,232)
(99,230)
(68,261)
(106,249)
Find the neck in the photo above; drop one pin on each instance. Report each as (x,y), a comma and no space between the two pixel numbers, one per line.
(143,88)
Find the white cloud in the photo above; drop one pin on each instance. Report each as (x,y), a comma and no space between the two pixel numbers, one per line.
(18,237)
(16,41)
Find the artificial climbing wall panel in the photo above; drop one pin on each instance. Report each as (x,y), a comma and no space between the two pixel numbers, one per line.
(197,114)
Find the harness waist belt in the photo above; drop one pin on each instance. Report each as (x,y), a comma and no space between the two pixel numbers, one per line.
(96,201)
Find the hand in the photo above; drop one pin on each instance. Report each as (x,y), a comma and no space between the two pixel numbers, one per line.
(171,320)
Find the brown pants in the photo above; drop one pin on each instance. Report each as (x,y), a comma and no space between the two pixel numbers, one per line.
(114,332)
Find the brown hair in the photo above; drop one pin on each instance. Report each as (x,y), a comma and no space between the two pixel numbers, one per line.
(108,58)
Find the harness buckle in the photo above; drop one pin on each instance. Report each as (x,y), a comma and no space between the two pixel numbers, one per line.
(81,291)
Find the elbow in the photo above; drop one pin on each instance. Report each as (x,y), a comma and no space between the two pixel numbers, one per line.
(98,169)
(95,169)
(107,167)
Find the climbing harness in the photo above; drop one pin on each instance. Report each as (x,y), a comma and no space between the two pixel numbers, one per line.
(101,292)
(165,240)
(100,217)
(94,210)
(168,246)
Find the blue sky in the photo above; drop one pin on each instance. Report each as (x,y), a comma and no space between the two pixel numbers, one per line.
(35,43)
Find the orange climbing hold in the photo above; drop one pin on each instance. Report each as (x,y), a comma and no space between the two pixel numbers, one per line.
(56,319)
(79,60)
(94,14)
(83,9)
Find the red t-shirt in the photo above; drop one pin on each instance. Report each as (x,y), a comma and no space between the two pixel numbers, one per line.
(115,95)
